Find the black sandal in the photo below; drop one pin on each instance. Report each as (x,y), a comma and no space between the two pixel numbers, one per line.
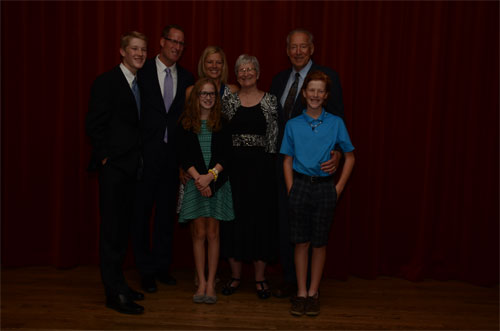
(263,293)
(228,289)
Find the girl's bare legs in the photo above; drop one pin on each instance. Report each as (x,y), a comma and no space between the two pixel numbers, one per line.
(198,234)
(212,232)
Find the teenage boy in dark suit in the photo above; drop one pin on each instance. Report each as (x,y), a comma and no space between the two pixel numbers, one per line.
(112,124)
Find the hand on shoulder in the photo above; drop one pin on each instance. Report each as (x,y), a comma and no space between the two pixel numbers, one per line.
(188,91)
(233,88)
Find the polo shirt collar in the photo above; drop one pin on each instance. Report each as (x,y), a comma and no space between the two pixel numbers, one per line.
(309,119)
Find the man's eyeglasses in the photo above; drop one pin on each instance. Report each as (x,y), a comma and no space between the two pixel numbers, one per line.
(204,94)
(177,42)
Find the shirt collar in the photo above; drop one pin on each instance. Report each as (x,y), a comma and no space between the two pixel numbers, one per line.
(161,66)
(128,74)
(309,119)
(303,72)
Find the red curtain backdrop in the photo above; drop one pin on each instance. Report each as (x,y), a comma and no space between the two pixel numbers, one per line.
(421,92)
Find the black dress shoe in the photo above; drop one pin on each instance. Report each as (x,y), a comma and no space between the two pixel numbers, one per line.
(148,283)
(166,278)
(122,304)
(285,290)
(134,295)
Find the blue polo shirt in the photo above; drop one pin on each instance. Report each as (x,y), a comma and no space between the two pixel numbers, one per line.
(309,141)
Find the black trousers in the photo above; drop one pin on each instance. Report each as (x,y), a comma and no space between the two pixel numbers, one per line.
(116,197)
(157,190)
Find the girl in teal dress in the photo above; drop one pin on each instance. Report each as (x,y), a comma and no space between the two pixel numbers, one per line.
(204,147)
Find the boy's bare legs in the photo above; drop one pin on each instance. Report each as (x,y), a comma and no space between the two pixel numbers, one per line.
(317,264)
(301,260)
(212,226)
(198,234)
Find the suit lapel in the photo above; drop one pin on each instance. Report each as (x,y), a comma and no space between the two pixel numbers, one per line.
(125,89)
(284,80)
(181,85)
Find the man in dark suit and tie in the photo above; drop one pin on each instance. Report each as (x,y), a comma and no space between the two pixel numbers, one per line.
(286,87)
(163,85)
(112,123)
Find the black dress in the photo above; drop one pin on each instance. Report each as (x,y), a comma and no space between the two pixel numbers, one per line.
(254,233)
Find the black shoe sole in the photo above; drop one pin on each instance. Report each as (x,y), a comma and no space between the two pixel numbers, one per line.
(228,292)
(312,314)
(150,290)
(128,312)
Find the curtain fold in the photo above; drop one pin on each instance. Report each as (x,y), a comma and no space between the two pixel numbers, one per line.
(420,86)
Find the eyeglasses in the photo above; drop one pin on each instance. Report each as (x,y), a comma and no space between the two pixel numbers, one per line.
(204,94)
(245,70)
(177,42)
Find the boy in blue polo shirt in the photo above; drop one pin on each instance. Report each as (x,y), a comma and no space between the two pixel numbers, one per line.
(312,193)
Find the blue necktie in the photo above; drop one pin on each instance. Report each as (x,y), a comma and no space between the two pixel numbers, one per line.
(168,93)
(137,96)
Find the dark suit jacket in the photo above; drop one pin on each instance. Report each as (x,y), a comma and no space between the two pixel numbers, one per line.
(190,154)
(335,104)
(154,118)
(112,123)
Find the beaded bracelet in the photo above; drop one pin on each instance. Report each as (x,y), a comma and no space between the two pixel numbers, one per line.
(214,172)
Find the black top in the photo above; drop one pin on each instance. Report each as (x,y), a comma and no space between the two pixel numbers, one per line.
(189,152)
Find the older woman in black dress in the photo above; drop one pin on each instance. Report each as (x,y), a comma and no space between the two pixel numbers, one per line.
(252,116)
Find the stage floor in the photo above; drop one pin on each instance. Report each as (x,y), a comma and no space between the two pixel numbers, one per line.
(50,298)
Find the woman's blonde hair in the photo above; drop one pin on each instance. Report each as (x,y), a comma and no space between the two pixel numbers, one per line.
(201,63)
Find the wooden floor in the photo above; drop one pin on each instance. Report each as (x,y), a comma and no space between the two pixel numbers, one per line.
(48,298)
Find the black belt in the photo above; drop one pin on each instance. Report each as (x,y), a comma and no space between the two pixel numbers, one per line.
(313,179)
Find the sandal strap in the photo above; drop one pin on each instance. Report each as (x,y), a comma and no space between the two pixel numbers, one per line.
(261,283)
(230,282)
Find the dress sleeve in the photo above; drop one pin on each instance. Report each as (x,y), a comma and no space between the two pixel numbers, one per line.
(230,102)
(270,109)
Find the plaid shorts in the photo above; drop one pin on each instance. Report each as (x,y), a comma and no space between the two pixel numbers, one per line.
(311,206)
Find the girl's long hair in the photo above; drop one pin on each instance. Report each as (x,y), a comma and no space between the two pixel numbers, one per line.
(190,117)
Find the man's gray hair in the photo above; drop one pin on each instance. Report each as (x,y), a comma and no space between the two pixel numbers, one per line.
(299,30)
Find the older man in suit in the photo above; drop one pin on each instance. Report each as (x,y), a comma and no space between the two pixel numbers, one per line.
(112,123)
(163,84)
(286,86)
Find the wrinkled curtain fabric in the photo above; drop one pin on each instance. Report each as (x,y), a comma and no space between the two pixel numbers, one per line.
(421,92)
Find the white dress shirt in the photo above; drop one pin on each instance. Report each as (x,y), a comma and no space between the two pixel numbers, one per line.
(291,79)
(128,75)
(160,67)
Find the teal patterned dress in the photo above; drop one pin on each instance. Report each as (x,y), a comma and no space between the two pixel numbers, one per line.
(194,205)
